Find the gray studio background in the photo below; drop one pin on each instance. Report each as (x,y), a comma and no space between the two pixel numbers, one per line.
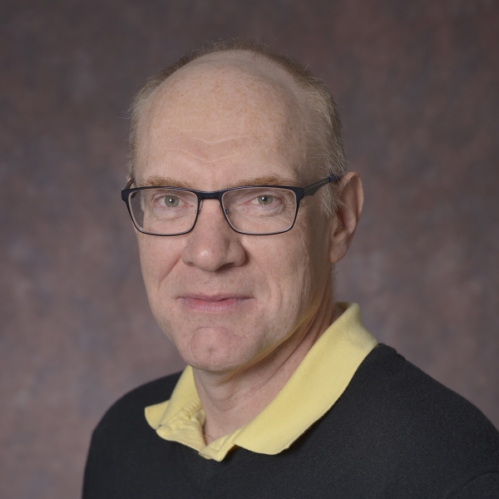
(417,85)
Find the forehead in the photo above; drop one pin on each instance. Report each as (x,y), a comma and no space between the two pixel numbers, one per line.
(221,107)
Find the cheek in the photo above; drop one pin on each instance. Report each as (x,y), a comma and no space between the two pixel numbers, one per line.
(284,261)
(307,264)
(158,256)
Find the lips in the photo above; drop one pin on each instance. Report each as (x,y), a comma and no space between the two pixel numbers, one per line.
(216,303)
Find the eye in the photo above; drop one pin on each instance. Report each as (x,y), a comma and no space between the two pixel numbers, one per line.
(171,201)
(265,200)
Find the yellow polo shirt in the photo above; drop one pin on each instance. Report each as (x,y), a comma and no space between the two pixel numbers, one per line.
(314,388)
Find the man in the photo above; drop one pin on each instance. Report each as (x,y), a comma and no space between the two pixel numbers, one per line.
(242,206)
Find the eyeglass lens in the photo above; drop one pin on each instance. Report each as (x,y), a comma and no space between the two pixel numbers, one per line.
(251,210)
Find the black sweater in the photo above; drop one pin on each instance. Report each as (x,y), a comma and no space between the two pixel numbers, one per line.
(395,433)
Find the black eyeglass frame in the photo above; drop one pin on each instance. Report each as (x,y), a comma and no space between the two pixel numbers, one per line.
(300,193)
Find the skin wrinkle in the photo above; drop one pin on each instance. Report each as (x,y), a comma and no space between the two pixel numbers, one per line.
(282,284)
(205,149)
(228,156)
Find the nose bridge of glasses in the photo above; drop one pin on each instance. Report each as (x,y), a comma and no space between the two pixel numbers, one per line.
(209,195)
(215,195)
(202,195)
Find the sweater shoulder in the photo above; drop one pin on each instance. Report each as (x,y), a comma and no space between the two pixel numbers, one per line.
(393,418)
(402,386)
(405,392)
(409,414)
(129,408)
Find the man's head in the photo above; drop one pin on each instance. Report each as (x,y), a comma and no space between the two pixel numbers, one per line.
(230,301)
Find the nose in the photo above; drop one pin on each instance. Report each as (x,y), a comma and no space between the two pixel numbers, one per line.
(212,245)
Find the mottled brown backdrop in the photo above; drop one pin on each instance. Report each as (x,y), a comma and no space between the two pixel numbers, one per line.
(417,84)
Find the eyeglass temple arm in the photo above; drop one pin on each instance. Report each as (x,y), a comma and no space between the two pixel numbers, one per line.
(313,188)
(129,183)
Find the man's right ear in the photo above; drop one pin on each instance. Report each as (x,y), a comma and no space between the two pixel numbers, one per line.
(346,218)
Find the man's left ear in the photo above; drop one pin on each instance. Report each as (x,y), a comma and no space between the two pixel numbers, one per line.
(346,218)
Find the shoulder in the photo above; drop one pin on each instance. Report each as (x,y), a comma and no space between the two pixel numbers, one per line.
(128,411)
(413,395)
(121,436)
(413,422)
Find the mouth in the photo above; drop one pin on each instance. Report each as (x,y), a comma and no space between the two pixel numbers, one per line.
(218,303)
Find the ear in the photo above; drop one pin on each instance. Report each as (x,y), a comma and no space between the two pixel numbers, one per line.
(346,218)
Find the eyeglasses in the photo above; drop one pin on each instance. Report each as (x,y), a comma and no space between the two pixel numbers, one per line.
(260,211)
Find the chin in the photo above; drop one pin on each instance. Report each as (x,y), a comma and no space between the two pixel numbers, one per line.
(216,351)
(216,363)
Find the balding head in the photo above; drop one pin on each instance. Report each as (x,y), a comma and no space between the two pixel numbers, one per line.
(241,81)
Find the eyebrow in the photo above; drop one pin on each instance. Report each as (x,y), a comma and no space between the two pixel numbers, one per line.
(166,182)
(277,180)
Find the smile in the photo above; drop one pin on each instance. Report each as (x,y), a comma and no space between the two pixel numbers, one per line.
(213,303)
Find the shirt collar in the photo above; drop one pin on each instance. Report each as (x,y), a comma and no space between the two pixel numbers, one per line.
(315,386)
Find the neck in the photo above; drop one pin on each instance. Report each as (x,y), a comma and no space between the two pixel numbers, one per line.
(232,400)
